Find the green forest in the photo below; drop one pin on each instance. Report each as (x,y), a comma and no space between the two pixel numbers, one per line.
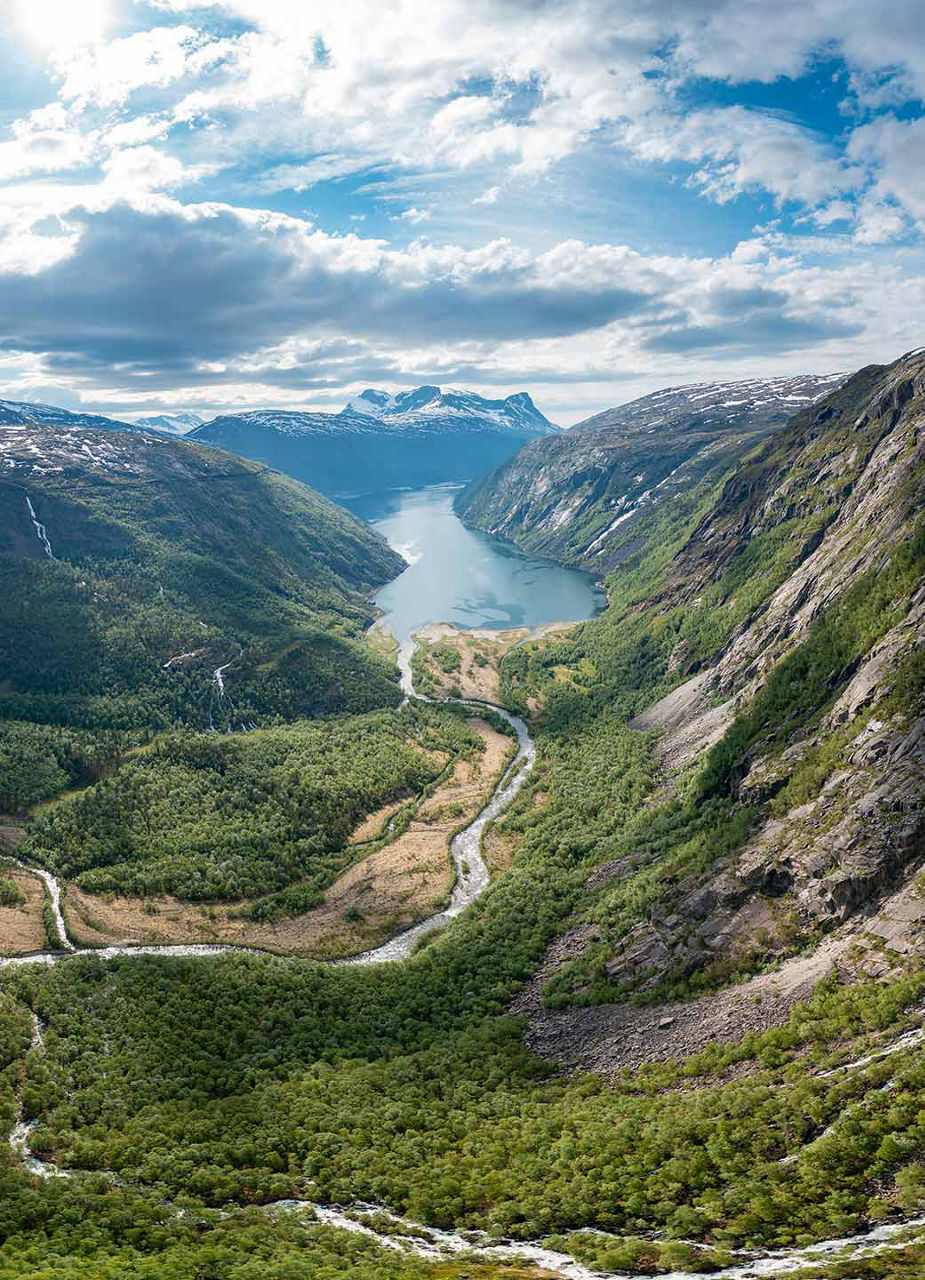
(172,562)
(213,817)
(188,1095)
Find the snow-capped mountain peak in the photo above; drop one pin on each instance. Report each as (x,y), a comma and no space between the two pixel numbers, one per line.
(384,440)
(432,405)
(28,412)
(370,402)
(174,424)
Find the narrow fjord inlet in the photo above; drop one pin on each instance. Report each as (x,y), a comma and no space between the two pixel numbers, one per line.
(462,640)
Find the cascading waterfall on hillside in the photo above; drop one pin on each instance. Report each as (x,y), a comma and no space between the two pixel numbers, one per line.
(225,703)
(40,531)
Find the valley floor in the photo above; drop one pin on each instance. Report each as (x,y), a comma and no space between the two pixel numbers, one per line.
(679,1030)
(406,878)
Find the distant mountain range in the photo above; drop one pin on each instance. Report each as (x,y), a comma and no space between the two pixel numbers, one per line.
(431,408)
(173,424)
(377,441)
(381,441)
(590,496)
(25,412)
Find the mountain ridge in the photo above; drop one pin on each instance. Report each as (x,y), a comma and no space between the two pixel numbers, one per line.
(425,436)
(588,495)
(23,412)
(177,424)
(782,636)
(139,565)
(418,408)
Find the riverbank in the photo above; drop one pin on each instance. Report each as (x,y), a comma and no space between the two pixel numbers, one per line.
(405,877)
(455,662)
(465,869)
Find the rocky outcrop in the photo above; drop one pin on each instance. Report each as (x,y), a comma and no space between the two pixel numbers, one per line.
(689,720)
(853,472)
(836,850)
(814,867)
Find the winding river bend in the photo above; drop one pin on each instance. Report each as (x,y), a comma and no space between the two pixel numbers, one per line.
(465,851)
(417,1239)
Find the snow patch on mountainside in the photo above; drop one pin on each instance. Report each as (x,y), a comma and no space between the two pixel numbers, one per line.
(26,450)
(416,408)
(580,495)
(174,424)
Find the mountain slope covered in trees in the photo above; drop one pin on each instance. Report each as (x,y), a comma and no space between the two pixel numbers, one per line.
(778,654)
(708,909)
(149,583)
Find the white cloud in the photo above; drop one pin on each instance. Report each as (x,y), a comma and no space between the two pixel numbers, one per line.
(109,72)
(29,253)
(895,152)
(415,215)
(879,221)
(136,170)
(741,150)
(44,142)
(461,101)
(134,132)
(835,211)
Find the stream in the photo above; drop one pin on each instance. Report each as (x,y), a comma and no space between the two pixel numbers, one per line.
(40,531)
(465,851)
(422,1241)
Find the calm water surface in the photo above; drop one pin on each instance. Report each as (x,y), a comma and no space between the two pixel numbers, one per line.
(467,578)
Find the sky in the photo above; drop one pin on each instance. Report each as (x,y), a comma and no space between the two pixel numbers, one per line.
(224,206)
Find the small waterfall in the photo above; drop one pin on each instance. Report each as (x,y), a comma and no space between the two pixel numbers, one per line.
(40,531)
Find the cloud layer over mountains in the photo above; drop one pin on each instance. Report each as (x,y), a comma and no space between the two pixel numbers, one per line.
(263,202)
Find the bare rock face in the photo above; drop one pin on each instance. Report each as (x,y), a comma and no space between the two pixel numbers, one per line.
(586,496)
(818,866)
(859,476)
(839,845)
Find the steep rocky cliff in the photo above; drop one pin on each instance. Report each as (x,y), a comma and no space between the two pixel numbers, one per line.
(593,495)
(791,634)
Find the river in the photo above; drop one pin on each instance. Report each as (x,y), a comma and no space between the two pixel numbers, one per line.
(458,575)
